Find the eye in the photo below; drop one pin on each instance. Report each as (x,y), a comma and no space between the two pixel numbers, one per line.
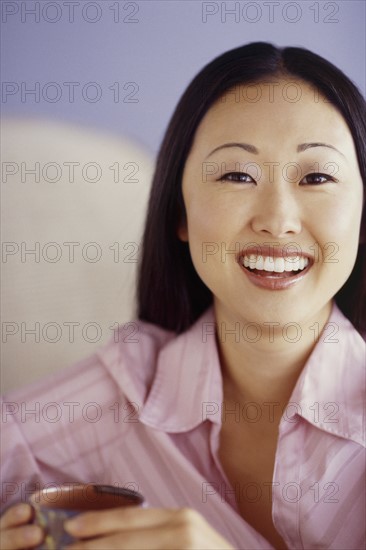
(237,177)
(317,179)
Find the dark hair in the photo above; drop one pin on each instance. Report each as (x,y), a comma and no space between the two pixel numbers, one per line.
(170,293)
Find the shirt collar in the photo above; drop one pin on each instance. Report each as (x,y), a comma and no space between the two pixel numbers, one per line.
(330,390)
(187,387)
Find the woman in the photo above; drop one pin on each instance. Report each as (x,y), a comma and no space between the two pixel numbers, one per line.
(235,407)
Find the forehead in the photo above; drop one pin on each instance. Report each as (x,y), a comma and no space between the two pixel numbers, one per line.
(289,108)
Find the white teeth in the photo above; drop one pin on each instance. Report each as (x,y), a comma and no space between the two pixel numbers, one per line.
(278,265)
(296,264)
(252,261)
(260,262)
(268,264)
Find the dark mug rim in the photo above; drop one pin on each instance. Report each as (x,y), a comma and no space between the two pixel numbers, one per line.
(84,497)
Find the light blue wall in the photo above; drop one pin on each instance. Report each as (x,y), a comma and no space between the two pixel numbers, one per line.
(158,46)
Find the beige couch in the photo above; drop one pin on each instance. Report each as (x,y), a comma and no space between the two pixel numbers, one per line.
(81,212)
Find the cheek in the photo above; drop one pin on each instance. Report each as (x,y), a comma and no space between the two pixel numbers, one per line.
(204,220)
(203,235)
(337,232)
(345,221)
(208,228)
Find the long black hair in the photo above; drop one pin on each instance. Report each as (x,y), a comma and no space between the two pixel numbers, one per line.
(170,293)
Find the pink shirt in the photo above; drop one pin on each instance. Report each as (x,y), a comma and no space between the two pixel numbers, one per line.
(145,412)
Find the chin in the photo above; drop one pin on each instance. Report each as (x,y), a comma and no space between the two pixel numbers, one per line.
(276,311)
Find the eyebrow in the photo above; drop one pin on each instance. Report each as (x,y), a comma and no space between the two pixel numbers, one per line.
(251,149)
(246,146)
(303,146)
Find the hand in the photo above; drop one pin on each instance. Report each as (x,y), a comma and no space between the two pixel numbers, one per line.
(147,528)
(15,534)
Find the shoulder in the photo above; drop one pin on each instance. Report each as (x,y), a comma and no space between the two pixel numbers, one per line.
(50,426)
(333,380)
(125,364)
(130,357)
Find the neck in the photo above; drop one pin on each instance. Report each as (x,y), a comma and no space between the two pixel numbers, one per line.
(262,362)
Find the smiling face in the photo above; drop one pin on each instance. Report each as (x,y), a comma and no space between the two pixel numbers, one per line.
(273,197)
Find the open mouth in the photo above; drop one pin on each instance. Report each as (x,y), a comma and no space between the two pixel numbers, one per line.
(267,266)
(275,272)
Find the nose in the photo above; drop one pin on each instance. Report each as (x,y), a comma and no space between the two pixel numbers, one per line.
(277,212)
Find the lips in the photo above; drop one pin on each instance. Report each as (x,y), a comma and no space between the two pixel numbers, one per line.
(269,264)
(272,268)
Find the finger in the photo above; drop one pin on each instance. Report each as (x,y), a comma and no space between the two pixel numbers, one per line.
(19,538)
(92,524)
(16,515)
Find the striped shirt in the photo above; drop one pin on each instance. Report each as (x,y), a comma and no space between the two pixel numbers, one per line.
(145,412)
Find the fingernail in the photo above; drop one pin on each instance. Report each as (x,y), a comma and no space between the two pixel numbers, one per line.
(32,534)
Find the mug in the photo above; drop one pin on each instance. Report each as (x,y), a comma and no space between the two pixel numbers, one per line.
(54,505)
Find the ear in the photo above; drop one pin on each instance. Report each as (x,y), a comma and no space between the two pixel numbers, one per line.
(182,225)
(363,226)
(182,231)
